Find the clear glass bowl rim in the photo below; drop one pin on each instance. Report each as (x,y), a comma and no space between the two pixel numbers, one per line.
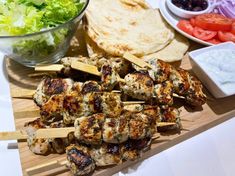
(49,30)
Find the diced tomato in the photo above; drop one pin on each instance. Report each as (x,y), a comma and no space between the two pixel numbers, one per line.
(213,22)
(203,34)
(226,36)
(185,26)
(214,41)
(192,21)
(233,28)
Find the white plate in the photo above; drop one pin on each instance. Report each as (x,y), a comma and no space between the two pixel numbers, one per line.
(173,20)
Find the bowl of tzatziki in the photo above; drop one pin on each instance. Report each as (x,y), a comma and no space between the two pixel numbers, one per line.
(215,67)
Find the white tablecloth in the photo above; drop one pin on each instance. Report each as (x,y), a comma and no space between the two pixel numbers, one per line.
(211,153)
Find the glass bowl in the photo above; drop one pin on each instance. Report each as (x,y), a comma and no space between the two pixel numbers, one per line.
(44,47)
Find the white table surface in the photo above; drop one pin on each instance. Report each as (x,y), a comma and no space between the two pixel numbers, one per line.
(211,153)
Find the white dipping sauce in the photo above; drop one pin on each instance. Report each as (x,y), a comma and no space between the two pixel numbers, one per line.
(220,66)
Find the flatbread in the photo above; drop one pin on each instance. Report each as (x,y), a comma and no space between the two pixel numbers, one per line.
(119,26)
(172,52)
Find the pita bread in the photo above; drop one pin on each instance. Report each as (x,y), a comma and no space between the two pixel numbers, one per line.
(119,26)
(172,52)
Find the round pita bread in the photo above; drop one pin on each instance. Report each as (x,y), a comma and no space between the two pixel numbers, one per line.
(172,52)
(119,26)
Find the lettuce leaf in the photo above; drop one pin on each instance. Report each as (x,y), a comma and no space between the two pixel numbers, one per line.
(18,17)
(58,12)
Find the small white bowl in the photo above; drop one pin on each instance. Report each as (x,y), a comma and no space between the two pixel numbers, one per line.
(202,73)
(185,13)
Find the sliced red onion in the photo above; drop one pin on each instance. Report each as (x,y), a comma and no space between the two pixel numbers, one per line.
(224,7)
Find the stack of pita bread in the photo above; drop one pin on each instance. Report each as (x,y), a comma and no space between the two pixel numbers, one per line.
(114,27)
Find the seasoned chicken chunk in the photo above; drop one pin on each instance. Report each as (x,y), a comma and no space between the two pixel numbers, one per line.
(109,78)
(80,161)
(92,103)
(160,71)
(51,86)
(115,130)
(37,146)
(139,126)
(138,85)
(195,95)
(90,86)
(73,107)
(106,154)
(132,149)
(164,93)
(112,105)
(52,110)
(169,114)
(77,86)
(180,80)
(88,129)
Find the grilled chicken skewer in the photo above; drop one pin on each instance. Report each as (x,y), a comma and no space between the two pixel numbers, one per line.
(68,68)
(82,160)
(184,84)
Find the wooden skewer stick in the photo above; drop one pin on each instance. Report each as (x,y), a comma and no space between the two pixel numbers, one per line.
(135,60)
(49,68)
(26,94)
(27,114)
(22,114)
(46,167)
(50,133)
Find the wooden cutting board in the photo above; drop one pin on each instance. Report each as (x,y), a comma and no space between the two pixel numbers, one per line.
(194,121)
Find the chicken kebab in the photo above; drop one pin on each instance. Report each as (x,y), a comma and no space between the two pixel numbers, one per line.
(161,82)
(96,129)
(135,122)
(83,159)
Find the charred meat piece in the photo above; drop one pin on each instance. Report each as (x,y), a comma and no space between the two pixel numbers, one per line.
(109,78)
(92,103)
(169,114)
(52,110)
(112,105)
(160,72)
(132,149)
(77,87)
(49,86)
(115,130)
(180,79)
(88,129)
(37,146)
(164,93)
(80,161)
(139,126)
(106,154)
(73,107)
(153,114)
(90,86)
(195,95)
(138,85)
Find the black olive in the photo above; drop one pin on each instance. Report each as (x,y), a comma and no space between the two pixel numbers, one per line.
(204,5)
(184,2)
(189,7)
(194,3)
(179,5)
(197,8)
(175,1)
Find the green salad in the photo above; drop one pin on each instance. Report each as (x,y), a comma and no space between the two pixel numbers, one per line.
(21,17)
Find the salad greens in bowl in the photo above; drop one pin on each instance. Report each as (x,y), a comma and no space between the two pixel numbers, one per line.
(38,31)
